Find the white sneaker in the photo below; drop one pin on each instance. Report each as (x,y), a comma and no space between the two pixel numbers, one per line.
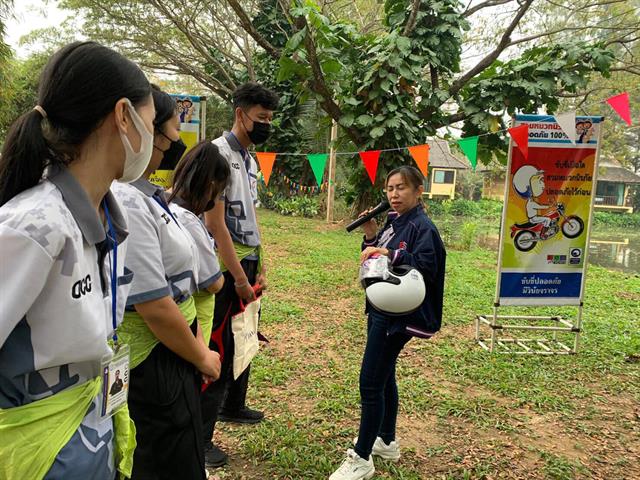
(382,450)
(354,468)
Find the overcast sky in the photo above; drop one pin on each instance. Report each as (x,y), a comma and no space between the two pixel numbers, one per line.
(31,15)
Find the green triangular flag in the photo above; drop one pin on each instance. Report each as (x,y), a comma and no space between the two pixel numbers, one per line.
(469,146)
(318,161)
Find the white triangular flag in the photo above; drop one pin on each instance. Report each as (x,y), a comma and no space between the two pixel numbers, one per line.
(567,122)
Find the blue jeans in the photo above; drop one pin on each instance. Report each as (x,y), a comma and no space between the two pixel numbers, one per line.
(378,389)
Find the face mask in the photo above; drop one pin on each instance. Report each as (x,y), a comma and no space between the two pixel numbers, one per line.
(260,132)
(210,204)
(172,155)
(135,163)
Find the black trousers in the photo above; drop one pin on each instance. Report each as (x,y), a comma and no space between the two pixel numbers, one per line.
(226,392)
(164,403)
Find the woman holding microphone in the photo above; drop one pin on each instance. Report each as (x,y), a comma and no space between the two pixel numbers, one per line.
(402,302)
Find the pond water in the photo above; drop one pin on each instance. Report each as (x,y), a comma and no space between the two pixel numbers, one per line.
(613,249)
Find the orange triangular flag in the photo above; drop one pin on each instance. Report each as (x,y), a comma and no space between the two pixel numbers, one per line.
(420,154)
(266,161)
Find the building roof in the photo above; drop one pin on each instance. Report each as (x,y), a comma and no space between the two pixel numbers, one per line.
(616,174)
(440,156)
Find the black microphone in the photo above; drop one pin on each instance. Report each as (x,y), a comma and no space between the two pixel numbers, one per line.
(380,208)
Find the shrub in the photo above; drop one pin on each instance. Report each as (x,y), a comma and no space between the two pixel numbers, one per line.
(302,206)
(621,220)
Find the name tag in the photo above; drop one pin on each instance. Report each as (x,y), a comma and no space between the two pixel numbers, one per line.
(115,382)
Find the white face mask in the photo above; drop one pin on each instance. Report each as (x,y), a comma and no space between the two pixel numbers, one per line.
(136,163)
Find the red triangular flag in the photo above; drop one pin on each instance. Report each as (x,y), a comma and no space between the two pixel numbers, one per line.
(420,154)
(266,161)
(620,103)
(520,136)
(370,160)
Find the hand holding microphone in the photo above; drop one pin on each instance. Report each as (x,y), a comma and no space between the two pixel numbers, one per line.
(367,216)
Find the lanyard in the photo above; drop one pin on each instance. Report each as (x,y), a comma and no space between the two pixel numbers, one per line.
(165,207)
(114,272)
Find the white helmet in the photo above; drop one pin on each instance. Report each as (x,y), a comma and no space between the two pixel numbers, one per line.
(392,290)
(522,179)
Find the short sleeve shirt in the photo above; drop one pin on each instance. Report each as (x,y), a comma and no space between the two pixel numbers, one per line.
(56,314)
(208,266)
(162,254)
(241,193)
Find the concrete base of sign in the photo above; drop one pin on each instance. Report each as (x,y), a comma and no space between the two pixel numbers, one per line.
(541,339)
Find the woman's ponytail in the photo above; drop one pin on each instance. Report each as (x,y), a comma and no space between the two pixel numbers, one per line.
(74,98)
(24,156)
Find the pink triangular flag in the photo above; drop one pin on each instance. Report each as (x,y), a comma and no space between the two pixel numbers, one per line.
(370,160)
(520,136)
(620,103)
(567,122)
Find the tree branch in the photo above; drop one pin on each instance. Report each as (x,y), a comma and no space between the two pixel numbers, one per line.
(489,3)
(413,16)
(451,119)
(489,59)
(247,24)
(318,83)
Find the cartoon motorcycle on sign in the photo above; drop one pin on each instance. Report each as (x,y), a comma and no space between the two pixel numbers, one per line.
(527,235)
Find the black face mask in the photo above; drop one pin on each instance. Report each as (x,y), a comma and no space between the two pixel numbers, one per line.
(172,155)
(260,132)
(210,204)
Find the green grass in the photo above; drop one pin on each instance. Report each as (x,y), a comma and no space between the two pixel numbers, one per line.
(463,412)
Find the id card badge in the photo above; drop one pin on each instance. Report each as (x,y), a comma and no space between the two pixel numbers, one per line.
(115,381)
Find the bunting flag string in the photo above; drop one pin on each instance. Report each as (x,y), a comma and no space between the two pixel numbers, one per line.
(298,187)
(420,153)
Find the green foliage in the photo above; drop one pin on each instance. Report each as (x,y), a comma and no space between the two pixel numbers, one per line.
(622,220)
(392,87)
(302,206)
(469,235)
(299,124)
(469,185)
(526,84)
(461,207)
(288,204)
(20,92)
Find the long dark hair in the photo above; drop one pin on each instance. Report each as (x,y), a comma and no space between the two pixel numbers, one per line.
(78,88)
(193,177)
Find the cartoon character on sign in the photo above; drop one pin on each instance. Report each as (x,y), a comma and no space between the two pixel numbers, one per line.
(584,129)
(528,182)
(187,110)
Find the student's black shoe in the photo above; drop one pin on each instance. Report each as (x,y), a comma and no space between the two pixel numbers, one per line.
(214,457)
(244,415)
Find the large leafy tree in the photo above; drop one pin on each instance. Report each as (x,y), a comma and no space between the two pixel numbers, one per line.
(390,73)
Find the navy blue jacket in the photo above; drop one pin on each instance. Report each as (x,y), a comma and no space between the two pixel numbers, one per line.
(415,241)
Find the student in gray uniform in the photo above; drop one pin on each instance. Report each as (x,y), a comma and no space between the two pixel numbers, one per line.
(62,273)
(198,180)
(168,354)
(234,225)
